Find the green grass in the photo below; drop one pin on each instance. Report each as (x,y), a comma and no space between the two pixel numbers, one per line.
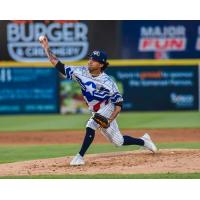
(14,153)
(129,120)
(11,153)
(112,176)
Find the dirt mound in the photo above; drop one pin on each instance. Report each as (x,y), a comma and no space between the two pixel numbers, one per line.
(134,162)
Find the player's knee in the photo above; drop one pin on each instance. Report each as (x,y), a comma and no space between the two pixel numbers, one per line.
(118,141)
(92,124)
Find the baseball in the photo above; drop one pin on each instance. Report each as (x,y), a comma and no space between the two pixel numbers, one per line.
(41,38)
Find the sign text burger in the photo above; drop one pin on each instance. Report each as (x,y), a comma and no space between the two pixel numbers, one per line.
(68,41)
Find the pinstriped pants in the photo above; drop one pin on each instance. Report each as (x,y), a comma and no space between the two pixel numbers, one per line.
(112,133)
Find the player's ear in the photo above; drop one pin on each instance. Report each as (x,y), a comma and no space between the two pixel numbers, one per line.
(101,65)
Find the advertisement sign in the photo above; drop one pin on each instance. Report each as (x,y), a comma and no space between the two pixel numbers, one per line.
(28,90)
(70,40)
(143,88)
(157,88)
(160,39)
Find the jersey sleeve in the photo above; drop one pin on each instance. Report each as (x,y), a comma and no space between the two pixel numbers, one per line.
(115,94)
(72,71)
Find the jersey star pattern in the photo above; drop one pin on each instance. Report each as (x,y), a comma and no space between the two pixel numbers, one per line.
(97,91)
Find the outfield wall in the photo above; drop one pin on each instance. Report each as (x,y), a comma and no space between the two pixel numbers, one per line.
(146,86)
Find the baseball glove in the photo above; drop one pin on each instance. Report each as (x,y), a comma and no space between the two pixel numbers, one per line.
(101,120)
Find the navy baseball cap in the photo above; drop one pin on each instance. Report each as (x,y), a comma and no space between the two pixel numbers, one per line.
(99,56)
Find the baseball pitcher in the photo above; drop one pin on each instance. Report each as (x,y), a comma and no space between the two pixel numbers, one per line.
(103,99)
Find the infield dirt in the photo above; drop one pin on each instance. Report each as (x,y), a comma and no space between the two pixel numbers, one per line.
(134,162)
(66,137)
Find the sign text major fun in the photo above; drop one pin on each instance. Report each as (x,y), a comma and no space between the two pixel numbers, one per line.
(166,38)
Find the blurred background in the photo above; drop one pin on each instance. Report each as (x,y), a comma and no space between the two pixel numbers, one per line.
(155,64)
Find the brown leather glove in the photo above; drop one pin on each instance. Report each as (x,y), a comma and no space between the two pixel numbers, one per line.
(101,120)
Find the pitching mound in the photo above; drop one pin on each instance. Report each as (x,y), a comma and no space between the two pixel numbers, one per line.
(134,162)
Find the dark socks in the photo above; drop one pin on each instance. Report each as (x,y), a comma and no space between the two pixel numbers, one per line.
(132,141)
(89,137)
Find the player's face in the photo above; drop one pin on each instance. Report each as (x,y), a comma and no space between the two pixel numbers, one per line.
(94,65)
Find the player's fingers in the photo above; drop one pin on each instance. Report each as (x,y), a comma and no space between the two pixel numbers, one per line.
(45,38)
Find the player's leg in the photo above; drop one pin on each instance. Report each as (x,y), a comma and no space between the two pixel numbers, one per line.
(88,139)
(114,135)
(145,141)
(129,140)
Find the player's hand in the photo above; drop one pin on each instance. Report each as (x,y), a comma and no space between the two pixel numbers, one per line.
(44,41)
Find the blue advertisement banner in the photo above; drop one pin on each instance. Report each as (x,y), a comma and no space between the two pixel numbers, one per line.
(155,39)
(28,90)
(157,88)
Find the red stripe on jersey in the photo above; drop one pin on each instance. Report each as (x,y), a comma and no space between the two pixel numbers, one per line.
(97,106)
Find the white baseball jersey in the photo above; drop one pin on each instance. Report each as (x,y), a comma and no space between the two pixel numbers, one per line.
(97,91)
(100,94)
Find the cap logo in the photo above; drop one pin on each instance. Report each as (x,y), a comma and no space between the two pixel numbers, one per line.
(96,53)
